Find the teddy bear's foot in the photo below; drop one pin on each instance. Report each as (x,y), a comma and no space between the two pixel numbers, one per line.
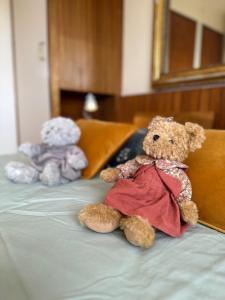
(19,172)
(51,174)
(189,212)
(100,218)
(138,231)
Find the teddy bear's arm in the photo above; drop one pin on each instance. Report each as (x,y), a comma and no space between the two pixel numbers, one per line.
(186,193)
(76,158)
(188,209)
(125,170)
(31,150)
(128,169)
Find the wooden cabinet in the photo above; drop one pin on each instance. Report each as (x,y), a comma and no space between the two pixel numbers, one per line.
(85,47)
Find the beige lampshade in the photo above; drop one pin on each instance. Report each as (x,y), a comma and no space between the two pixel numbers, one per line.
(90,104)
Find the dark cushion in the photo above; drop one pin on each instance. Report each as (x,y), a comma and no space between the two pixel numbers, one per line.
(130,149)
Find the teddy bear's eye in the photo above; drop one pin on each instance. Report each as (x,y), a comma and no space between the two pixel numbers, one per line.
(171,141)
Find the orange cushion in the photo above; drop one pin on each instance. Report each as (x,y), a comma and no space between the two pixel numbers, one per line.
(207,175)
(100,140)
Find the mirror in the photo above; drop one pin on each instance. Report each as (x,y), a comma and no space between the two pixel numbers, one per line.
(189,42)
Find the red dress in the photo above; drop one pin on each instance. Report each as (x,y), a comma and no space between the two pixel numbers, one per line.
(151,194)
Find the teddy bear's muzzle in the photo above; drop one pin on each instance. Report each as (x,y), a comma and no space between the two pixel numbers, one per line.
(155,137)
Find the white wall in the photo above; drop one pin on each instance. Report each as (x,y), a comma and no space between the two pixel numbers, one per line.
(30,30)
(8,134)
(137,46)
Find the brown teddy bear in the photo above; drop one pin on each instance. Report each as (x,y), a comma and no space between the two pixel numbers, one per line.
(152,190)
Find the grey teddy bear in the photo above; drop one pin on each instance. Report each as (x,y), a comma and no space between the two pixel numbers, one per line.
(56,160)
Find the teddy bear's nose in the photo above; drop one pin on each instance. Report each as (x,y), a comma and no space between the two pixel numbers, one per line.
(155,137)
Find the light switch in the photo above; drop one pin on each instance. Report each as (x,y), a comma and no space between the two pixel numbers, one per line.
(42,55)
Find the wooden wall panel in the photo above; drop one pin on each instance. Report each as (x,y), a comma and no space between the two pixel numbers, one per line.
(88,44)
(53,56)
(212,47)
(85,39)
(181,42)
(212,99)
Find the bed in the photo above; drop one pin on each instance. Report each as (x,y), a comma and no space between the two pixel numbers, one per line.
(46,255)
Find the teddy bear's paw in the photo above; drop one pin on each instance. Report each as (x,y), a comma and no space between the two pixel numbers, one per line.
(110,175)
(189,212)
(19,172)
(138,231)
(100,218)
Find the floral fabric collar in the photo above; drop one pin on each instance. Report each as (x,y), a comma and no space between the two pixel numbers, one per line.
(163,164)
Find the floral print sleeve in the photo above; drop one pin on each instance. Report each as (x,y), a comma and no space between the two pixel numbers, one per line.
(128,169)
(186,193)
(186,190)
(176,169)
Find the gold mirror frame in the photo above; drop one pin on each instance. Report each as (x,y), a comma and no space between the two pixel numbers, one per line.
(210,75)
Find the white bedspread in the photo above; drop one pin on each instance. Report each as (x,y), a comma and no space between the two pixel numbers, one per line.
(46,255)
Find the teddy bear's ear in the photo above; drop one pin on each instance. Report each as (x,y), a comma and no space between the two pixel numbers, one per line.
(196,134)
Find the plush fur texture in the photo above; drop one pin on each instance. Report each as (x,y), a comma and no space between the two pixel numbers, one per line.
(167,140)
(175,140)
(138,231)
(55,161)
(110,175)
(60,132)
(100,218)
(189,212)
